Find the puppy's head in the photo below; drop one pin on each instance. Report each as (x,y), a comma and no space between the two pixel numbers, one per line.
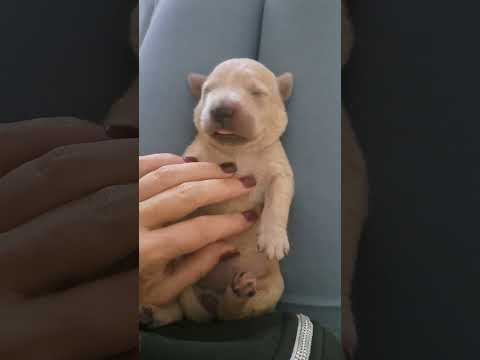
(241,102)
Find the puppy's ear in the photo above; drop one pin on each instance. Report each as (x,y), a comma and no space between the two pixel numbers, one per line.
(195,81)
(285,85)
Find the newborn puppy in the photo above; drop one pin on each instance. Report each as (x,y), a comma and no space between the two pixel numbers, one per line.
(240,117)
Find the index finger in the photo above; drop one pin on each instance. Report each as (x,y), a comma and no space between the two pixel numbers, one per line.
(25,140)
(183,238)
(149,163)
(176,203)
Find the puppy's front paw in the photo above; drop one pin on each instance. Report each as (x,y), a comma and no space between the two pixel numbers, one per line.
(274,244)
(244,284)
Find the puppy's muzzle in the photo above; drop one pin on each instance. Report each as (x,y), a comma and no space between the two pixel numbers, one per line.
(223,114)
(228,123)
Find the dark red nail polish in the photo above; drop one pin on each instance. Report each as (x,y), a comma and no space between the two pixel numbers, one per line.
(250,215)
(229,255)
(228,167)
(190,159)
(248,181)
(121,132)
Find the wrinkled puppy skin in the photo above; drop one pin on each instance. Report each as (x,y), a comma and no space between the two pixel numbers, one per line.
(354,202)
(240,117)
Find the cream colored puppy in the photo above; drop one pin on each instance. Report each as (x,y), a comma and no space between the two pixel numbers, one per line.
(240,117)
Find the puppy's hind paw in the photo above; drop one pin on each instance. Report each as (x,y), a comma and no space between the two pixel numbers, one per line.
(152,317)
(275,245)
(244,284)
(146,316)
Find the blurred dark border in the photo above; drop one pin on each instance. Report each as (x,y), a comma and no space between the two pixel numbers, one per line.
(411,88)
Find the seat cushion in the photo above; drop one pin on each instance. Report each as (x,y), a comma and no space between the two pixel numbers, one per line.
(305,41)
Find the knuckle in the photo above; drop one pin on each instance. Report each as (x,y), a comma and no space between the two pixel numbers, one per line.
(163,172)
(54,163)
(185,188)
(106,196)
(106,204)
(185,192)
(170,156)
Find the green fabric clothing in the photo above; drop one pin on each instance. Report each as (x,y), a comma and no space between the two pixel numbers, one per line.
(269,337)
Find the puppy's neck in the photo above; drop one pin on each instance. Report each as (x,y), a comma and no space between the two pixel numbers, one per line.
(253,147)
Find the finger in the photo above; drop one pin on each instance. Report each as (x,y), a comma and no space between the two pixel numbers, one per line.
(169,176)
(65,174)
(152,162)
(173,241)
(105,310)
(183,199)
(26,140)
(71,243)
(191,269)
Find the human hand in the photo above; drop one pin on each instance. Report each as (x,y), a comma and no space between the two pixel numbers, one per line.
(68,198)
(175,256)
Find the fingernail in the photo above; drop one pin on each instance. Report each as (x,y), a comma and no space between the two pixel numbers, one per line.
(121,132)
(229,167)
(248,181)
(250,215)
(229,255)
(190,159)
(251,293)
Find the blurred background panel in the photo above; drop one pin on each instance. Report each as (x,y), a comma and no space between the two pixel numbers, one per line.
(63,58)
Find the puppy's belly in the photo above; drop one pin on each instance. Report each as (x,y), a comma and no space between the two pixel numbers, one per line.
(221,276)
(246,243)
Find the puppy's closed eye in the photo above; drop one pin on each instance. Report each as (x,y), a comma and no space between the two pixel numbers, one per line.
(257,92)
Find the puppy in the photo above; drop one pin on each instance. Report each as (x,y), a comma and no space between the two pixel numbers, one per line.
(240,117)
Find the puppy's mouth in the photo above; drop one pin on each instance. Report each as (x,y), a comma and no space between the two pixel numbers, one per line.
(224,132)
(228,137)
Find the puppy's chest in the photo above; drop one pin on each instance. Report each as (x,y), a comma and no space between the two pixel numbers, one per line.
(255,198)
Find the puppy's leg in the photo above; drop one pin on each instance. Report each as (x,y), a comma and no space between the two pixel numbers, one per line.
(249,296)
(153,316)
(198,305)
(272,232)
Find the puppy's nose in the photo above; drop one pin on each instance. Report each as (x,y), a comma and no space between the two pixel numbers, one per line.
(222,113)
